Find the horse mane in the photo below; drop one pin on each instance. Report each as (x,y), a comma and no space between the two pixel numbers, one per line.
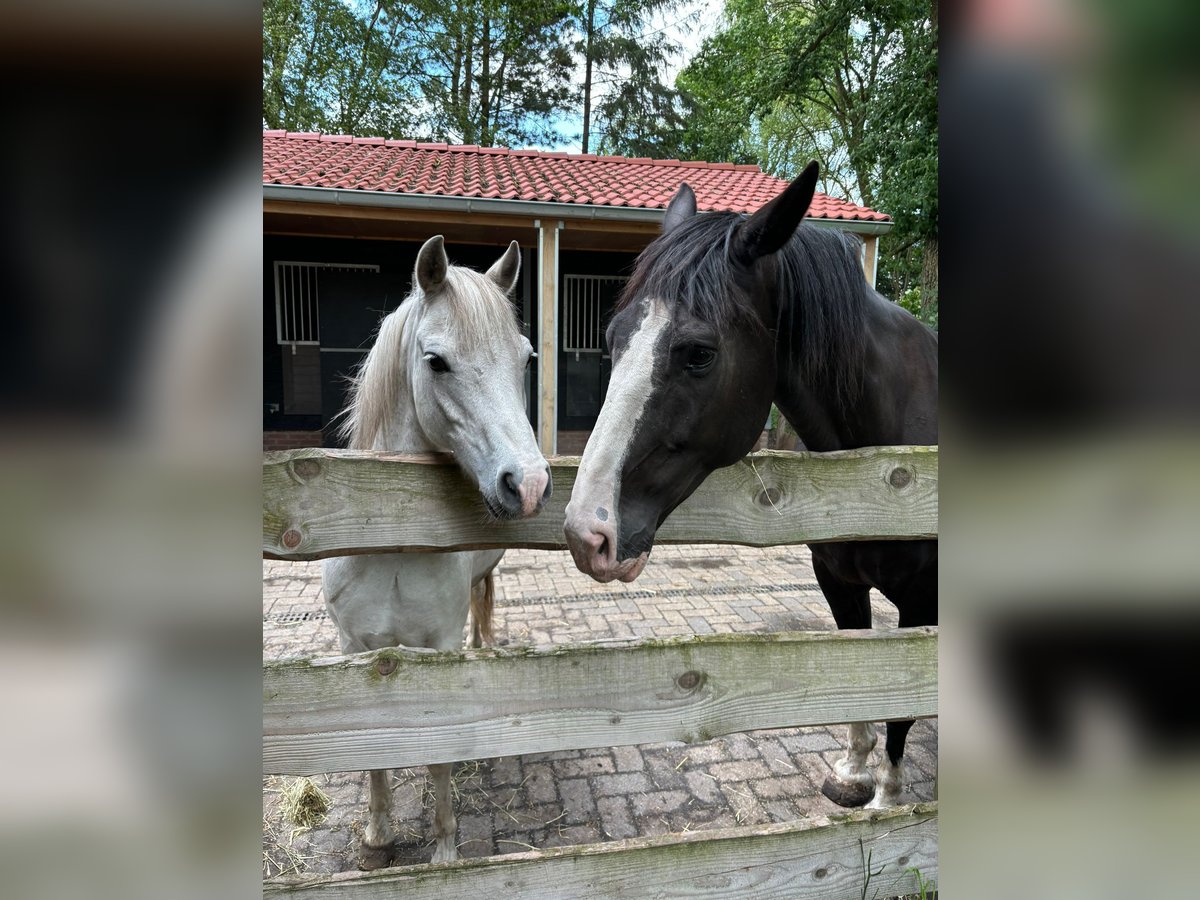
(820,321)
(480,308)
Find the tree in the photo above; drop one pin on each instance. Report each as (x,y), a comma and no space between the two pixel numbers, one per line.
(330,67)
(497,71)
(625,99)
(490,72)
(852,83)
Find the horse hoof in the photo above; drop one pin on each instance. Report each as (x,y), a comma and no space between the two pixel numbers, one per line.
(848,793)
(376,857)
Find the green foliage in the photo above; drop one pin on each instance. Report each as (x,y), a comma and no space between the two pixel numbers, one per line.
(850,83)
(628,109)
(490,72)
(331,67)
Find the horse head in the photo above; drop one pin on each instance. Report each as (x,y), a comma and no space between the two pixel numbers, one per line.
(694,372)
(447,374)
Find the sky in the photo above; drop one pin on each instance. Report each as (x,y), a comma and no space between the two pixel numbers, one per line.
(689,25)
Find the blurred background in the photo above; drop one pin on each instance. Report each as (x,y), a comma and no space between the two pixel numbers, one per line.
(1070,162)
(129,449)
(130,445)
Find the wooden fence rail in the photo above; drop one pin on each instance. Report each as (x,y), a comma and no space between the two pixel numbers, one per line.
(865,853)
(397,708)
(319,503)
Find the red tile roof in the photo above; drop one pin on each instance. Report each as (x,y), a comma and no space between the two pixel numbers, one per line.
(376,164)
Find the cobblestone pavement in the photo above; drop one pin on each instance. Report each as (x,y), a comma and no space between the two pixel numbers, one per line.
(510,804)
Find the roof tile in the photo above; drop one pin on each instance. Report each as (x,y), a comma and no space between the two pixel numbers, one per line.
(406,166)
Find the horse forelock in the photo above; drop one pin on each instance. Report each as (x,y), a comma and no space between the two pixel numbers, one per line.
(481,313)
(689,267)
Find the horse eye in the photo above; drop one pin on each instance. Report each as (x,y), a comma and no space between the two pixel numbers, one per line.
(700,359)
(436,362)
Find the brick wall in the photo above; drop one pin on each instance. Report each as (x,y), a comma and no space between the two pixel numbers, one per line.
(289,440)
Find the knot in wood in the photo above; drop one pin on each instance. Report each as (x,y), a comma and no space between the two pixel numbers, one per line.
(385,666)
(769,497)
(291,538)
(900,477)
(820,873)
(689,681)
(306,468)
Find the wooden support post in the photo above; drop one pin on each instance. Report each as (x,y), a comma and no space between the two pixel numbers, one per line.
(870,257)
(548,335)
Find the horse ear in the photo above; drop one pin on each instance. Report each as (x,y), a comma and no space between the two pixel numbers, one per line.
(505,270)
(432,264)
(681,208)
(772,226)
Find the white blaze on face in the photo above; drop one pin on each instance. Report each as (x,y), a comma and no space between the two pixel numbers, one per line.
(597,488)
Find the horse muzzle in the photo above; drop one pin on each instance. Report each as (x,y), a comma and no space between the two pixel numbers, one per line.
(593,546)
(521,493)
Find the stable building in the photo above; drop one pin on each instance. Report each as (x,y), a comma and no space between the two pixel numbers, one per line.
(344,217)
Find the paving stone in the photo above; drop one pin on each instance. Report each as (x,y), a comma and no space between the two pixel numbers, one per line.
(702,786)
(615,817)
(475,836)
(809,741)
(664,769)
(506,770)
(628,759)
(657,802)
(747,809)
(778,760)
(539,783)
(741,746)
(782,811)
(627,783)
(572,835)
(739,770)
(577,802)
(776,788)
(586,765)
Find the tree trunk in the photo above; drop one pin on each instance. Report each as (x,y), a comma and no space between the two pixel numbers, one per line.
(485,82)
(587,74)
(466,124)
(929,276)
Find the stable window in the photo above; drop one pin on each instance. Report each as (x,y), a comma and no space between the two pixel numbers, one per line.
(297,298)
(586,299)
(298,327)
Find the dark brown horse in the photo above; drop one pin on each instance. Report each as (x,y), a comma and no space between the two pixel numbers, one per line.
(723,315)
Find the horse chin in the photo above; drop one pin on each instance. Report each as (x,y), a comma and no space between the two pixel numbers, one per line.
(496,511)
(628,570)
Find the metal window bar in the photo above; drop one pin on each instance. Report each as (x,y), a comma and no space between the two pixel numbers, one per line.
(582,296)
(297,298)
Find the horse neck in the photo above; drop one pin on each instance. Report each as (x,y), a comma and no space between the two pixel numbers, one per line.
(895,400)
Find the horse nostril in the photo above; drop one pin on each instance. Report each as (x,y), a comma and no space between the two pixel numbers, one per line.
(549,486)
(511,483)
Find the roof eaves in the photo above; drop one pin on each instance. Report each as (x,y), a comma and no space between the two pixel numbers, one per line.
(507,206)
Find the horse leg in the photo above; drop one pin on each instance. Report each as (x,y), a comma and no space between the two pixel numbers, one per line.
(917,604)
(483,601)
(377,845)
(851,782)
(445,824)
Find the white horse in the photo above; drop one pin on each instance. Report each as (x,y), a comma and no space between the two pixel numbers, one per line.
(446,374)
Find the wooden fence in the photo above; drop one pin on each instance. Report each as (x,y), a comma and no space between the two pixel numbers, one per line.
(398,708)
